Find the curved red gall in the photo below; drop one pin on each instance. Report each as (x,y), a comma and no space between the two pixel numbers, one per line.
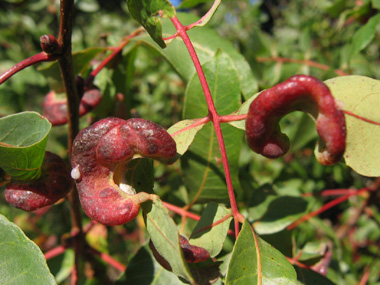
(298,93)
(54,184)
(56,110)
(101,150)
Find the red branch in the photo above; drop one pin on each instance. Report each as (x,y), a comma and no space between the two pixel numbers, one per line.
(333,192)
(325,207)
(108,259)
(55,252)
(181,211)
(213,116)
(115,52)
(37,58)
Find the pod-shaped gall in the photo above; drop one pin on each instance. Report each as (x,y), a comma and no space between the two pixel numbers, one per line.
(56,110)
(192,253)
(99,155)
(55,183)
(298,93)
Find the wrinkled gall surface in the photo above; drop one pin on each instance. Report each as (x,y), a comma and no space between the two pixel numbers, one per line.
(99,155)
(298,93)
(56,110)
(54,184)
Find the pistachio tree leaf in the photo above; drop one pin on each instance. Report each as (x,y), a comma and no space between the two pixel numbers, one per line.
(164,235)
(148,13)
(21,260)
(364,35)
(360,95)
(23,139)
(202,163)
(207,43)
(207,17)
(184,133)
(254,261)
(211,230)
(139,175)
(144,269)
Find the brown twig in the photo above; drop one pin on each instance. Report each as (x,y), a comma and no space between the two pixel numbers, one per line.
(68,76)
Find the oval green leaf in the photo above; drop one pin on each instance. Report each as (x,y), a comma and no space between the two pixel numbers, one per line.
(360,95)
(202,164)
(206,42)
(165,236)
(183,133)
(23,139)
(144,269)
(21,260)
(254,261)
(147,13)
(211,230)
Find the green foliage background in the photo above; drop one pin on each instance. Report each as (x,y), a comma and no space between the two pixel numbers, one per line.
(334,33)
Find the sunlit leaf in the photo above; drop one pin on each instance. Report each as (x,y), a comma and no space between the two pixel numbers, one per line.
(210,232)
(361,96)
(202,163)
(183,135)
(254,261)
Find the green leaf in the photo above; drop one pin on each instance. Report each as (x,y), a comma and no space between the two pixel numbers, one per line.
(302,131)
(21,260)
(208,235)
(254,261)
(364,35)
(361,96)
(243,109)
(143,269)
(139,175)
(192,3)
(22,144)
(310,277)
(202,164)
(148,13)
(81,65)
(279,215)
(165,237)
(376,4)
(61,266)
(207,17)
(206,43)
(182,136)
(10,101)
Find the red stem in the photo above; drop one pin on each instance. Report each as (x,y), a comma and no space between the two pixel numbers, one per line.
(213,116)
(108,259)
(39,57)
(213,224)
(365,277)
(361,118)
(116,51)
(325,208)
(181,211)
(333,192)
(54,252)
